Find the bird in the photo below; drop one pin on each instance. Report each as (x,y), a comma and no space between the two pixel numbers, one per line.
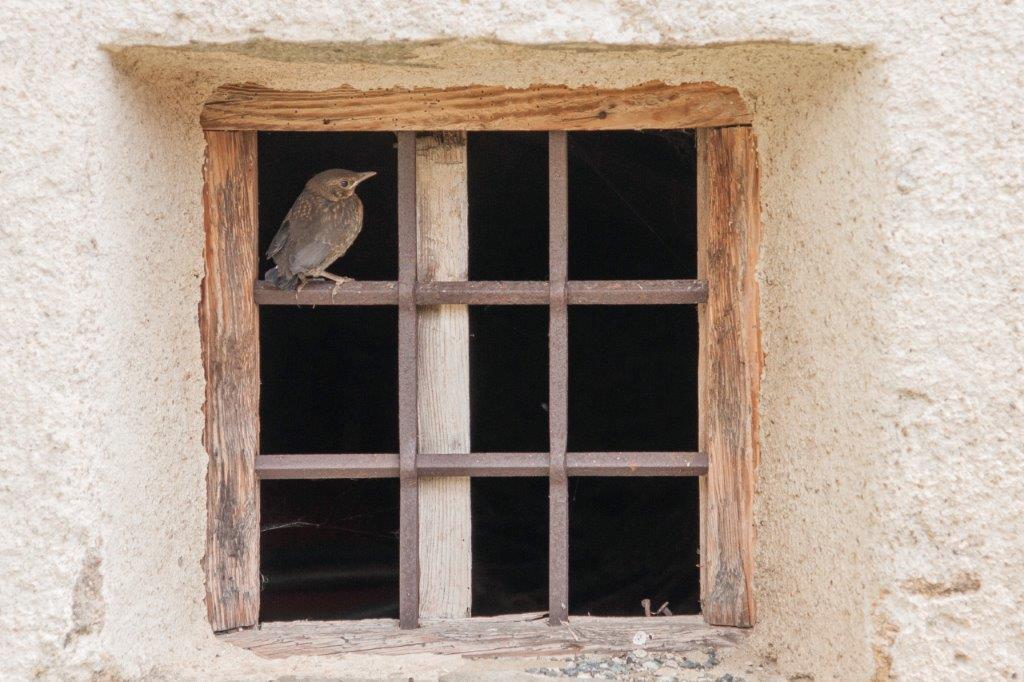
(319,229)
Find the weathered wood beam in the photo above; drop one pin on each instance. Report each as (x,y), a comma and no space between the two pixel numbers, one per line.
(476,107)
(229,330)
(729,237)
(442,202)
(519,635)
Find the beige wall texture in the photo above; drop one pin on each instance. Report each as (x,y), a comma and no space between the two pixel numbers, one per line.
(889,504)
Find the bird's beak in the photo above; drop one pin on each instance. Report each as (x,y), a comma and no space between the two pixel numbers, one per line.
(366,176)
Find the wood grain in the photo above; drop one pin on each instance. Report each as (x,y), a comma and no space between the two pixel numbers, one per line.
(229,328)
(729,236)
(443,354)
(520,635)
(476,107)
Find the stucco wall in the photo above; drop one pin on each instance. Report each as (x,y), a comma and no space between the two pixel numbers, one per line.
(889,506)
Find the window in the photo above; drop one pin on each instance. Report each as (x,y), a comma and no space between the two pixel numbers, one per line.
(722,289)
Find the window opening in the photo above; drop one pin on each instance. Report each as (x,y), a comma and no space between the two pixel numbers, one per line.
(715,181)
(329,379)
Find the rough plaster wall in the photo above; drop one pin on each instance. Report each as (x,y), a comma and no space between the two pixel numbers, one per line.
(889,511)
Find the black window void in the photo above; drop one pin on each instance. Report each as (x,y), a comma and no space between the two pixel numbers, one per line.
(508,205)
(632,205)
(329,549)
(632,539)
(632,378)
(328,379)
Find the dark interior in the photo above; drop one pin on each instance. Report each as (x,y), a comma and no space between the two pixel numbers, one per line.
(329,549)
(632,378)
(632,205)
(508,205)
(329,382)
(510,545)
(632,539)
(328,379)
(508,378)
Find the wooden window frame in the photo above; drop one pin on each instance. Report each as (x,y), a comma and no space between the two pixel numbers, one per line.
(725,292)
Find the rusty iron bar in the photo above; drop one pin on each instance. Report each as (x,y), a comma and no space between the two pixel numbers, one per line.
(636,463)
(636,292)
(498,292)
(558,377)
(557,293)
(485,464)
(483,293)
(354,465)
(324,293)
(408,436)
(480,464)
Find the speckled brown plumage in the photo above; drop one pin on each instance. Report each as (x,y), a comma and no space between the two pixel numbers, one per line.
(318,230)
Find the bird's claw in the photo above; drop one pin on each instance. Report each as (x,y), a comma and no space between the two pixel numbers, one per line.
(338,281)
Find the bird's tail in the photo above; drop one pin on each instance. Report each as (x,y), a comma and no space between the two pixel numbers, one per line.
(280,279)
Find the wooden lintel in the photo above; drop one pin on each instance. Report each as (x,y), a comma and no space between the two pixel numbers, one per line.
(651,105)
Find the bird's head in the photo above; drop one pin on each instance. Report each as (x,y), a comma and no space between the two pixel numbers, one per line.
(337,183)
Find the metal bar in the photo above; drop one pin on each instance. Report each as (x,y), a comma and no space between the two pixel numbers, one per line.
(558,378)
(324,293)
(480,464)
(409,521)
(484,464)
(482,293)
(581,292)
(636,463)
(359,465)
(636,292)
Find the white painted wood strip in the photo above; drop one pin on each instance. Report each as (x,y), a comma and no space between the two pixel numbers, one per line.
(443,348)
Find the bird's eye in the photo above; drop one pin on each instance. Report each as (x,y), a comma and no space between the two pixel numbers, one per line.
(345,183)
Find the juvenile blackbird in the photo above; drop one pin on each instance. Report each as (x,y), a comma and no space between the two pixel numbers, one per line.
(319,228)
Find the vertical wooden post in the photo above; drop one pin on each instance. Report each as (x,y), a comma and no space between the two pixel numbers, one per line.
(229,328)
(443,332)
(729,235)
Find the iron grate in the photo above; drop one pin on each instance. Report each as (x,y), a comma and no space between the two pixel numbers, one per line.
(558,292)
